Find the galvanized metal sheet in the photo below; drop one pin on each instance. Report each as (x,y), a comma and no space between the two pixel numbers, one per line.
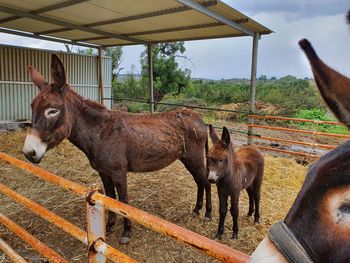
(17,90)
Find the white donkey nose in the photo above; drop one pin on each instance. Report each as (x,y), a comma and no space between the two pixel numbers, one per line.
(212,177)
(34,149)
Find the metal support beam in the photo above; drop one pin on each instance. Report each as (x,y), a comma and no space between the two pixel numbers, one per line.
(196,6)
(253,85)
(100,75)
(58,22)
(25,34)
(167,30)
(134,17)
(46,9)
(150,76)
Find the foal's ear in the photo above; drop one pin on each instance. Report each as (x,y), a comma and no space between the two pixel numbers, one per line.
(36,77)
(225,136)
(57,71)
(214,138)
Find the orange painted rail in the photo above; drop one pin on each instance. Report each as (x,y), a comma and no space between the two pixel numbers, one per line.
(294,119)
(111,253)
(31,240)
(13,255)
(325,146)
(288,152)
(203,244)
(299,131)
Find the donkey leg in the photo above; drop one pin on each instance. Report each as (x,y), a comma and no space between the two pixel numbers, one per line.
(196,167)
(251,200)
(222,214)
(121,185)
(256,192)
(257,206)
(234,213)
(108,185)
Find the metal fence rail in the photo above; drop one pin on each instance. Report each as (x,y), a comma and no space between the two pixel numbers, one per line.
(31,240)
(97,200)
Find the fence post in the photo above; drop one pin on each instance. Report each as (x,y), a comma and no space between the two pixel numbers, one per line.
(150,76)
(253,85)
(96,225)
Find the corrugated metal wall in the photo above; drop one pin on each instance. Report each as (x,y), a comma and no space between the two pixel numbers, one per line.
(17,90)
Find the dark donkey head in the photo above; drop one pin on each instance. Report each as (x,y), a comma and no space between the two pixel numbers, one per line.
(219,157)
(50,118)
(320,215)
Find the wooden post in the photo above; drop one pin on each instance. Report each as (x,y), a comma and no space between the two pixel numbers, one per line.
(150,76)
(100,76)
(253,85)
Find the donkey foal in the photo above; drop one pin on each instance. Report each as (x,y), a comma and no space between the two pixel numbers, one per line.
(233,171)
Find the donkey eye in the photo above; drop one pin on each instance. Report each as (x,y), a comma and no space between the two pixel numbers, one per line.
(221,161)
(51,112)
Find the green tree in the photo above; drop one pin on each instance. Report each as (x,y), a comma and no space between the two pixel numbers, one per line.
(167,75)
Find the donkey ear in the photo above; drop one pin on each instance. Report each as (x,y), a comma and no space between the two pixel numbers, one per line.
(36,77)
(225,136)
(57,71)
(333,86)
(214,138)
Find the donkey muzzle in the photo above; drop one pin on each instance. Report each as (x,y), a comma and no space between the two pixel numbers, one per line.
(34,149)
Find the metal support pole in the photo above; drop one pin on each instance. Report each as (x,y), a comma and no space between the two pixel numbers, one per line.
(253,85)
(100,76)
(96,226)
(150,76)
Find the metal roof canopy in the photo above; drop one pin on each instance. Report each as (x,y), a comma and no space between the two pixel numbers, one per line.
(104,23)
(96,23)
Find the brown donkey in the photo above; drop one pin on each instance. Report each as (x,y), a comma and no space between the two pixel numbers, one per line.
(115,142)
(319,219)
(233,171)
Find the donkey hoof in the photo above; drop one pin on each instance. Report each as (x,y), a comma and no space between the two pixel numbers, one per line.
(195,211)
(124,240)
(249,214)
(207,219)
(234,236)
(256,222)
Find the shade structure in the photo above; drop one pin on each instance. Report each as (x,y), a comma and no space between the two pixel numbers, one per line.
(125,22)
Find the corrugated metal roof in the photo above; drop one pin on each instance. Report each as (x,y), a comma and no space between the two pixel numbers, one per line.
(125,22)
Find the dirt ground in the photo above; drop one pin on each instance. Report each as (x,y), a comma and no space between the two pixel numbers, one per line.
(169,194)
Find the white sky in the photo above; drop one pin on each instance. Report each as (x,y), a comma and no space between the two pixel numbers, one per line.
(321,21)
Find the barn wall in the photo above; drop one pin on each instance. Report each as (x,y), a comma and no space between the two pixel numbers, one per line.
(17,90)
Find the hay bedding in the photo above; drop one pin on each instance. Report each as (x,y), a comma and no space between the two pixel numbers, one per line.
(169,194)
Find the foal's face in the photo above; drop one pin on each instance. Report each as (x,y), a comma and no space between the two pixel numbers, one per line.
(49,117)
(217,163)
(218,157)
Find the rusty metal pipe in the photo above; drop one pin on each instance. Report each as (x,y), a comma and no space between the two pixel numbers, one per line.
(294,119)
(46,214)
(31,240)
(300,131)
(288,152)
(325,146)
(66,226)
(13,255)
(50,177)
(112,253)
(203,244)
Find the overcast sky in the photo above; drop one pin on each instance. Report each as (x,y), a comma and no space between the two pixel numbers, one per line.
(321,21)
